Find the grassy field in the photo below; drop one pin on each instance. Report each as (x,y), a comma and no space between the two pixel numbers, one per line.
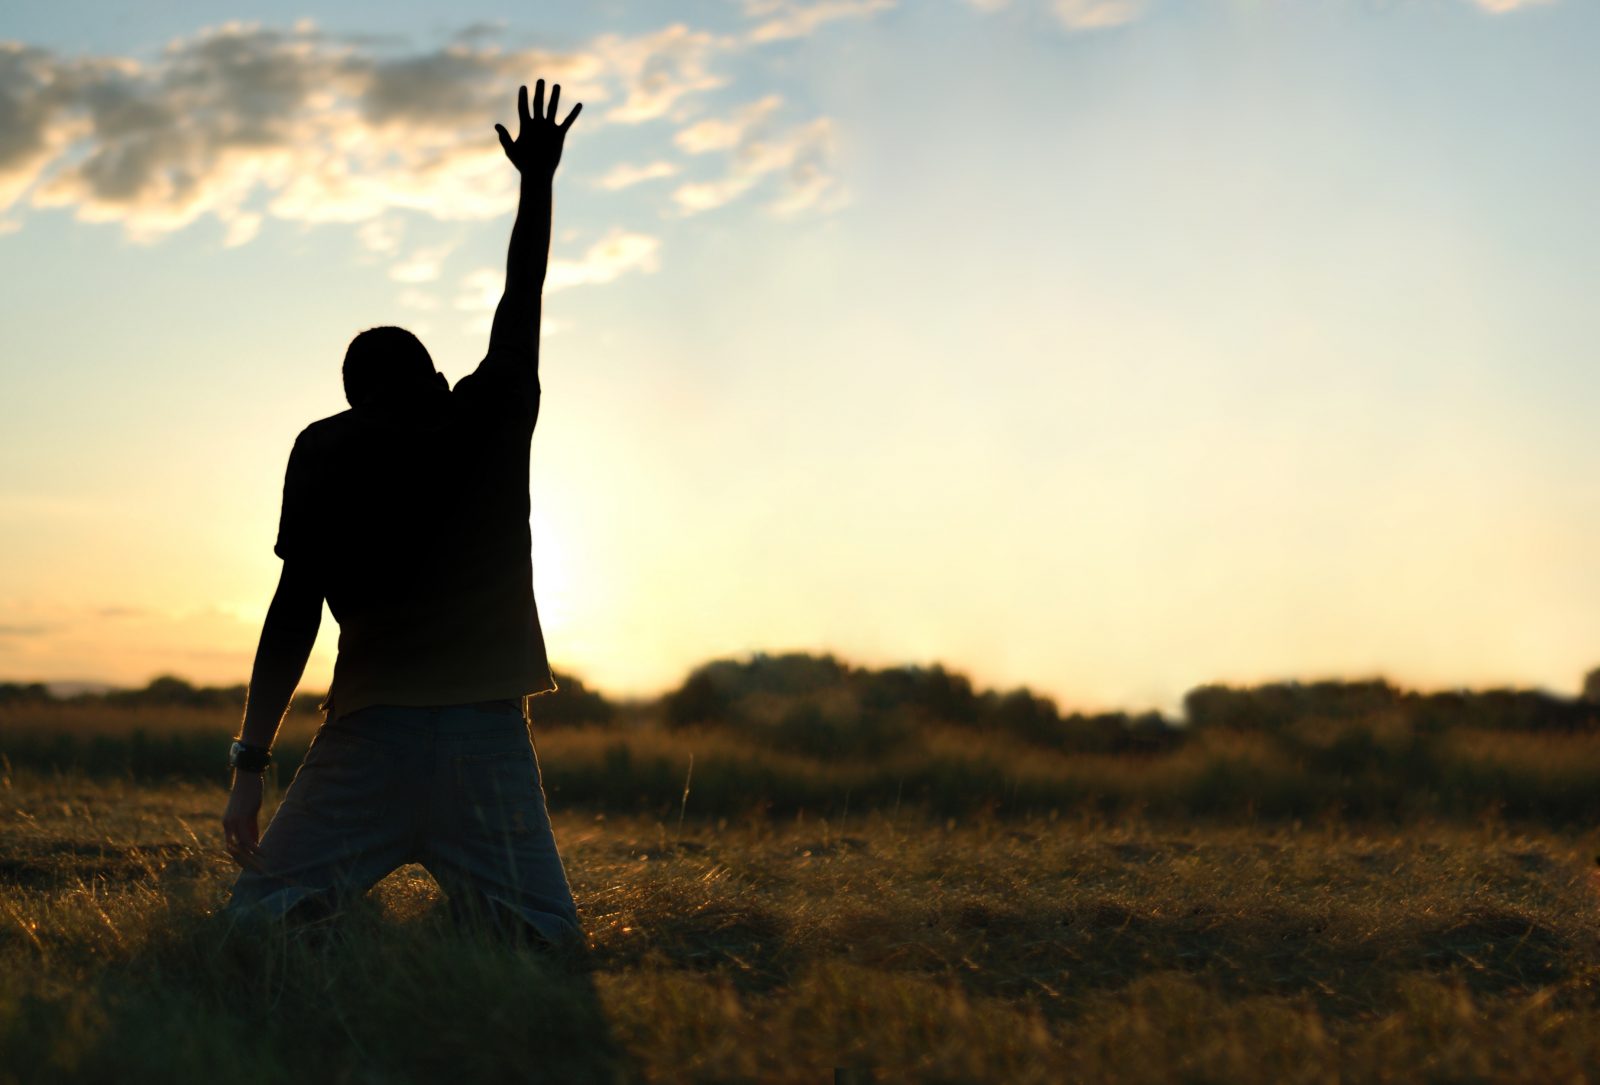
(778,948)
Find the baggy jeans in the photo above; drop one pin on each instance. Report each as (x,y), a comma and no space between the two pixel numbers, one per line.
(455,788)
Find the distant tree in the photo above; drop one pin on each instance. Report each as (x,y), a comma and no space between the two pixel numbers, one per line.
(789,675)
(168,691)
(1274,705)
(571,705)
(835,725)
(1591,687)
(699,700)
(1025,715)
(19,693)
(935,692)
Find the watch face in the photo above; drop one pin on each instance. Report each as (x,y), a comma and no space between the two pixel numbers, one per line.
(248,758)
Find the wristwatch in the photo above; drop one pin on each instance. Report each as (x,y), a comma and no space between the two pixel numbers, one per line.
(244,757)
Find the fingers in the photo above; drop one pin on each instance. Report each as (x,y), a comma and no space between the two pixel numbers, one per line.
(539,111)
(242,845)
(249,860)
(505,137)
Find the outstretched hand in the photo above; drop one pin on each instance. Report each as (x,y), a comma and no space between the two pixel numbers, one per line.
(539,138)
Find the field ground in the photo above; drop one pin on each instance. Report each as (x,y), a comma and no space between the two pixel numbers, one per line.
(780,948)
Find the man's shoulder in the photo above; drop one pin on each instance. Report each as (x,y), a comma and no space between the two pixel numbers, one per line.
(505,386)
(325,432)
(334,423)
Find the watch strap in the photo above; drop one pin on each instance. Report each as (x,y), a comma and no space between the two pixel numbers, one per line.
(247,758)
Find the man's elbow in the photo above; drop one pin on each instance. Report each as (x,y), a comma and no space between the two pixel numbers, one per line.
(298,600)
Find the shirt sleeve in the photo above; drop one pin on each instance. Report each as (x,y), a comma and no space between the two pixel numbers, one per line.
(507,380)
(299,519)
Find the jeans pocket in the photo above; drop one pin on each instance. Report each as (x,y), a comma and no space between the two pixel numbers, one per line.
(500,791)
(346,781)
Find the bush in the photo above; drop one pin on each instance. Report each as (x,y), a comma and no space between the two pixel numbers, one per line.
(571,705)
(699,700)
(838,728)
(1272,706)
(1023,715)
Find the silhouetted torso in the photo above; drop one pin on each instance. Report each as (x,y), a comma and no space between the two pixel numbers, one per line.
(414,515)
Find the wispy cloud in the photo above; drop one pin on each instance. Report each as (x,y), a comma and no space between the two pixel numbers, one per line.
(1075,15)
(626,175)
(381,235)
(480,290)
(660,68)
(1096,14)
(1082,15)
(783,19)
(242,229)
(1500,7)
(801,155)
(422,266)
(721,134)
(25,630)
(614,255)
(618,253)
(420,300)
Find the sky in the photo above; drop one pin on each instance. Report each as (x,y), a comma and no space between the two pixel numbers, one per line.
(1107,347)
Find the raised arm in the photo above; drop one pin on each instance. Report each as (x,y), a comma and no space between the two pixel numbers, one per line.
(535,152)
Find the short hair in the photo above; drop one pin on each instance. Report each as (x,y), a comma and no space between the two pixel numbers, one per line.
(384,360)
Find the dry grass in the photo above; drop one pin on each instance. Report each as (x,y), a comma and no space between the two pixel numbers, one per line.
(780,948)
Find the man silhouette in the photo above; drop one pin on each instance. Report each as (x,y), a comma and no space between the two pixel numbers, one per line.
(408,513)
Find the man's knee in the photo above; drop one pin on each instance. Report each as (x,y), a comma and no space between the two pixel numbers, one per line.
(555,925)
(258,901)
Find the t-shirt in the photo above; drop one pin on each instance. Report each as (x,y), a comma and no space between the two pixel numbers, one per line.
(413,517)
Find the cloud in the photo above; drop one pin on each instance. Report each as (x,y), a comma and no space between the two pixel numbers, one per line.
(35,91)
(1077,15)
(659,69)
(480,290)
(802,155)
(713,134)
(810,188)
(1096,14)
(421,300)
(709,195)
(1500,7)
(784,19)
(624,175)
(381,235)
(242,229)
(25,630)
(422,266)
(241,122)
(618,253)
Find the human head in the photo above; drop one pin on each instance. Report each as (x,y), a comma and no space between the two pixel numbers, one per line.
(383,362)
